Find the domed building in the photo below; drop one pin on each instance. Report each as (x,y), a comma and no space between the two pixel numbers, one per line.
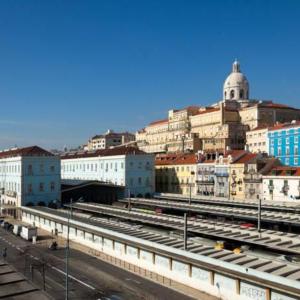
(236,86)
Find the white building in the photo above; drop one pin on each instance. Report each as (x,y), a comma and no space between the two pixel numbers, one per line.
(109,139)
(282,183)
(257,140)
(29,176)
(122,166)
(236,86)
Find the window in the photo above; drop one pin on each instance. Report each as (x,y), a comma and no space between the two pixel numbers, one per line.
(296,152)
(287,150)
(287,141)
(241,94)
(279,151)
(296,139)
(41,187)
(41,168)
(296,161)
(231,94)
(140,180)
(52,186)
(29,188)
(52,168)
(30,170)
(287,161)
(279,142)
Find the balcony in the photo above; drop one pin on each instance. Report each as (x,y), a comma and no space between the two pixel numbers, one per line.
(11,194)
(200,172)
(252,180)
(205,182)
(219,174)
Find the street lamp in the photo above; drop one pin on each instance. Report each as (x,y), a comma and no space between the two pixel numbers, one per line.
(68,250)
(259,214)
(190,199)
(68,246)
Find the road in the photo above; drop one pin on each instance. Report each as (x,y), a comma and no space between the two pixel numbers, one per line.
(90,278)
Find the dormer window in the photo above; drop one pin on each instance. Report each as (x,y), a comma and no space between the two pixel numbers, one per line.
(241,94)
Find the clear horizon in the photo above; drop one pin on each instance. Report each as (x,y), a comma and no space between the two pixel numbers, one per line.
(73,69)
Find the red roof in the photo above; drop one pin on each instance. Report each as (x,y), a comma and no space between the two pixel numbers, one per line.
(247,158)
(27,151)
(285,125)
(285,171)
(176,159)
(275,105)
(158,122)
(123,150)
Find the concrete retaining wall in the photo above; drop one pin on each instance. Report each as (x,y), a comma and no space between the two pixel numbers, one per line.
(210,281)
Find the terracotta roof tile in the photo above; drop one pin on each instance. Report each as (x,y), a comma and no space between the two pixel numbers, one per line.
(275,105)
(27,151)
(158,122)
(176,159)
(285,125)
(247,158)
(285,171)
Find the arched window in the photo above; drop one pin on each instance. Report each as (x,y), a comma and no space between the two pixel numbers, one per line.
(225,95)
(241,94)
(231,94)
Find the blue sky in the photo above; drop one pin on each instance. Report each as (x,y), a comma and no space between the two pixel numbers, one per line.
(70,69)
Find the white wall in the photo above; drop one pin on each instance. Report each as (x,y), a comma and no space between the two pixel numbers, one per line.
(278,182)
(15,179)
(135,172)
(206,280)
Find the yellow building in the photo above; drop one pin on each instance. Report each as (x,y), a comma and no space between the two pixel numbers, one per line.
(237,171)
(176,173)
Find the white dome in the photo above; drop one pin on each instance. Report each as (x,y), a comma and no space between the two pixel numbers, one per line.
(236,86)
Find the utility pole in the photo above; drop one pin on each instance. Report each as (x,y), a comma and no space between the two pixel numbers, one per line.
(129,200)
(185,232)
(68,250)
(259,215)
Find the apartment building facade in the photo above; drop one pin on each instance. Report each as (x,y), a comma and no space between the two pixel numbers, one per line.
(176,173)
(282,183)
(122,166)
(109,139)
(284,142)
(29,176)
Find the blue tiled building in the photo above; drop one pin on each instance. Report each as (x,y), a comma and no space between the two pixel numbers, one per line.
(284,142)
